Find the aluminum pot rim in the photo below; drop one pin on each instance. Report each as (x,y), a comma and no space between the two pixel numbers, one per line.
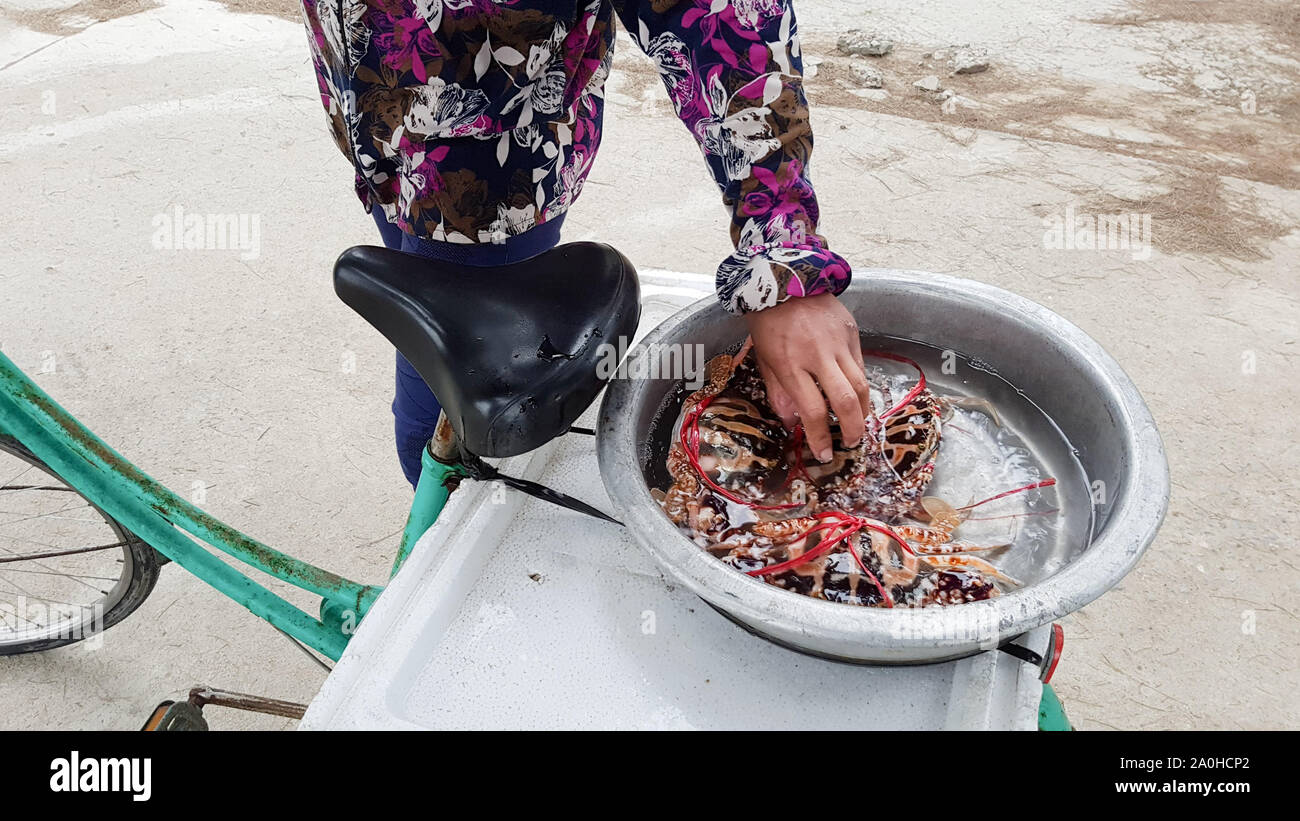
(1130,528)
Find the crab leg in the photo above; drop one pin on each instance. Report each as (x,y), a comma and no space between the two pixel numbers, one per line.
(742,353)
(971,563)
(974,404)
(929,542)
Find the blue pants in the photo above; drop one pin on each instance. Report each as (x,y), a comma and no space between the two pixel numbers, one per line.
(415,408)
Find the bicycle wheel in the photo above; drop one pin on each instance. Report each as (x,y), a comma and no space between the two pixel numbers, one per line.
(68,571)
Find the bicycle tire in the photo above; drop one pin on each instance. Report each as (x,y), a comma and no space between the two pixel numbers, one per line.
(140,567)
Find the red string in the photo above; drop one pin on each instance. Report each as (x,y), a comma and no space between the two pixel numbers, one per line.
(843,527)
(808,555)
(690,439)
(913,393)
(890,533)
(888,599)
(1044,483)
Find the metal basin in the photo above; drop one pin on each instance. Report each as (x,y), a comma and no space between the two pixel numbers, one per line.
(1057,366)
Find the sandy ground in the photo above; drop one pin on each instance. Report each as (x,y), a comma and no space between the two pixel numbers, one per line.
(205,367)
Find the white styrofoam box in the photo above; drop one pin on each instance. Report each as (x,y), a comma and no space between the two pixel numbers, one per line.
(514,613)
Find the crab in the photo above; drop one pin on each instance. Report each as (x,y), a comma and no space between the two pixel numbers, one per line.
(751,493)
(850,559)
(731,447)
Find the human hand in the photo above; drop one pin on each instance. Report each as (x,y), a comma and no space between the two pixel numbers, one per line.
(808,352)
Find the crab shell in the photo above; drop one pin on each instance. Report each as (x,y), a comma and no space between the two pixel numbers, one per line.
(910,580)
(887,474)
(743,447)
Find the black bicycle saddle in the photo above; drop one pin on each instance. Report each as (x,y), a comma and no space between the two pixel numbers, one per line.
(510,351)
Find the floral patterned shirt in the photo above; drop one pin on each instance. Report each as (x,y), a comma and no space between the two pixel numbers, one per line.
(473,121)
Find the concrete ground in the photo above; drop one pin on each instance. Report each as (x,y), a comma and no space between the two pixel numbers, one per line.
(249,377)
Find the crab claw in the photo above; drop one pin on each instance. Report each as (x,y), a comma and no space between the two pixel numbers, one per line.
(947,548)
(971,563)
(941,513)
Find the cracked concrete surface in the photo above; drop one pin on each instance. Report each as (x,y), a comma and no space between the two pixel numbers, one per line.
(202,366)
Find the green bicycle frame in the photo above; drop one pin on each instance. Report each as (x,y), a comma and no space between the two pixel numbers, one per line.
(182,532)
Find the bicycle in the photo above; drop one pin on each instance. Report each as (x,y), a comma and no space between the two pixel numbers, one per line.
(513,365)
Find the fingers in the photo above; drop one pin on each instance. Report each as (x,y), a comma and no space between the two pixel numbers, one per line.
(850,359)
(854,345)
(844,401)
(812,412)
(806,347)
(796,397)
(778,397)
(855,372)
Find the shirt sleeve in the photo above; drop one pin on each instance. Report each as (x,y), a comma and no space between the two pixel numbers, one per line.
(733,71)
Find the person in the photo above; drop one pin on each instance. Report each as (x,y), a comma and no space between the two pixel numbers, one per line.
(471,125)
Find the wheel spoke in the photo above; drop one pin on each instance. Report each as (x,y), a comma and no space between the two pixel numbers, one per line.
(56,546)
(53,571)
(55,488)
(19,474)
(52,514)
(54,554)
(62,575)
